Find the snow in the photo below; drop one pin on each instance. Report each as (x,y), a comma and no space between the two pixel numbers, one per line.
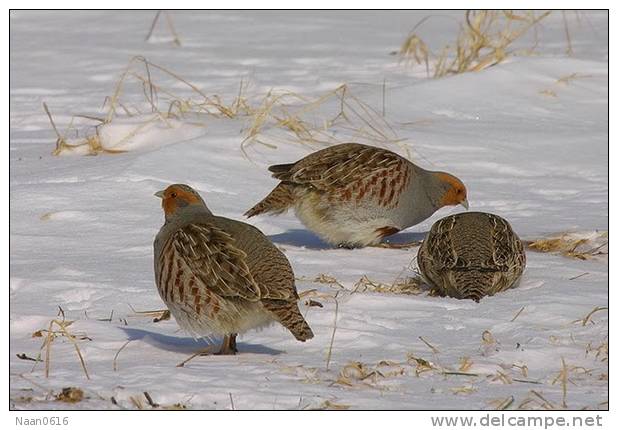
(529,146)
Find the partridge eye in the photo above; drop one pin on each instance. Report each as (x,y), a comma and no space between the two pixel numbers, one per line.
(173,195)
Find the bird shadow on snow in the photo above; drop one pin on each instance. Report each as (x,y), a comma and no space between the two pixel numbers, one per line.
(301,238)
(189,345)
(306,239)
(401,238)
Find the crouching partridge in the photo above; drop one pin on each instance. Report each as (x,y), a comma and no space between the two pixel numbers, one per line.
(354,195)
(471,255)
(219,276)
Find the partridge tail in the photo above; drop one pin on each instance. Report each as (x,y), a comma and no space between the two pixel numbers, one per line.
(278,201)
(289,316)
(281,171)
(475,284)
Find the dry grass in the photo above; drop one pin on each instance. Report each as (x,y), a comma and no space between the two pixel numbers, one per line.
(61,330)
(563,377)
(485,38)
(600,351)
(327,405)
(316,294)
(431,347)
(165,95)
(360,375)
(502,404)
(332,338)
(421,365)
(323,278)
(115,360)
(156,315)
(314,121)
(518,313)
(522,368)
(70,395)
(562,82)
(464,364)
(548,93)
(405,286)
(336,116)
(464,389)
(353,374)
(170,27)
(569,246)
(536,400)
(145,401)
(409,285)
(488,338)
(588,317)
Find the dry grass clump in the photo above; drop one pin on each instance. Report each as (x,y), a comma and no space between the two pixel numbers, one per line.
(323,278)
(558,244)
(278,116)
(313,121)
(422,365)
(536,401)
(91,144)
(600,351)
(70,395)
(165,96)
(165,100)
(570,245)
(410,285)
(357,374)
(353,374)
(327,405)
(62,330)
(484,39)
(567,375)
(145,401)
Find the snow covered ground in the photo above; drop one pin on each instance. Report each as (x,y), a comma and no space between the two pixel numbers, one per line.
(528,137)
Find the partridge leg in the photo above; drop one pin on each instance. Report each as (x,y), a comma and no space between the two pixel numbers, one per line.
(346,245)
(228,347)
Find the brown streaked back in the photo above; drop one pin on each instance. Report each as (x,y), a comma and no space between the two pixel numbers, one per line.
(471,255)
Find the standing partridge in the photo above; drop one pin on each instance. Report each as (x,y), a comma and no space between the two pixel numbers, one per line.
(354,195)
(471,255)
(220,276)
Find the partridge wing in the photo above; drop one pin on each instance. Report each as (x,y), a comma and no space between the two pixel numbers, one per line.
(211,255)
(338,166)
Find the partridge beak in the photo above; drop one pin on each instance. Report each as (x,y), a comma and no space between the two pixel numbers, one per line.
(464,203)
(159,194)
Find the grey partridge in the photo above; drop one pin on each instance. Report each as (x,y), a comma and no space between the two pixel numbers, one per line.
(219,276)
(354,195)
(471,255)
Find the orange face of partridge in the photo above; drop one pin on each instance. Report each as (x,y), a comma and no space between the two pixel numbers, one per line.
(456,191)
(174,197)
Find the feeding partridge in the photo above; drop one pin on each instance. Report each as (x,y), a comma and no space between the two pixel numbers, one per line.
(220,276)
(354,195)
(471,255)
